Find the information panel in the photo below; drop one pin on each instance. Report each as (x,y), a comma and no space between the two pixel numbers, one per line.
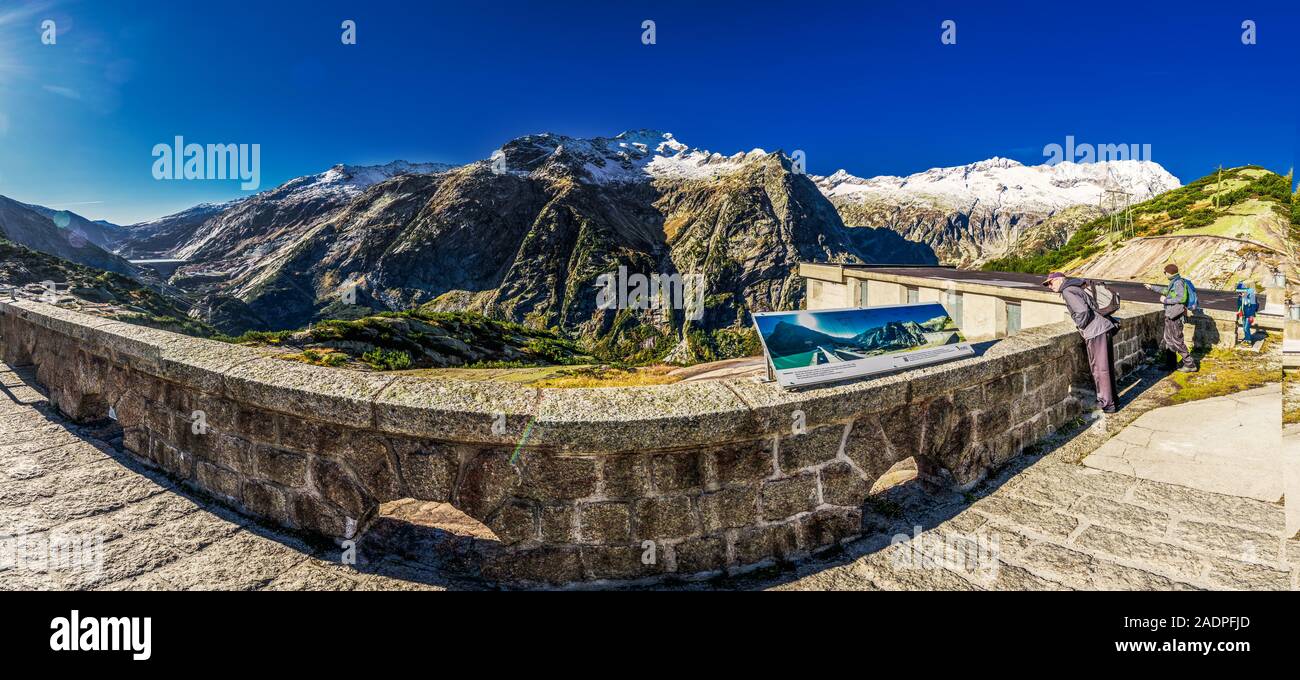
(829,345)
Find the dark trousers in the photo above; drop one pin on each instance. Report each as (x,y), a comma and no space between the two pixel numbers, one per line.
(1114,365)
(1173,341)
(1099,361)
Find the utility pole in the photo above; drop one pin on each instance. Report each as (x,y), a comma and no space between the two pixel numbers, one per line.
(1116,202)
(1218,187)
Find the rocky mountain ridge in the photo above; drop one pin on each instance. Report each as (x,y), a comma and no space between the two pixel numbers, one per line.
(524,235)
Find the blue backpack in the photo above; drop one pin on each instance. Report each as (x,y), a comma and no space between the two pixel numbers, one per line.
(1192,303)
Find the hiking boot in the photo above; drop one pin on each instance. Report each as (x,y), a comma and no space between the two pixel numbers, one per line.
(1110,409)
(1188,369)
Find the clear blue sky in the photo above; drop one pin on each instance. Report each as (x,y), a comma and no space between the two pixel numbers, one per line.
(864,86)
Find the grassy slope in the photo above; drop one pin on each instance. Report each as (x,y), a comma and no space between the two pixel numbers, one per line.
(1187,210)
(420,339)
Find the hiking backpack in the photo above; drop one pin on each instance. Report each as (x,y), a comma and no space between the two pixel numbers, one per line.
(1192,303)
(1104,300)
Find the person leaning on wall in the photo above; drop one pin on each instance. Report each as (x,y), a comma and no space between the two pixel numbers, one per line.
(1095,329)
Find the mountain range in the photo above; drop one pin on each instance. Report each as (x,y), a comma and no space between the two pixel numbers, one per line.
(971,213)
(524,235)
(891,336)
(521,236)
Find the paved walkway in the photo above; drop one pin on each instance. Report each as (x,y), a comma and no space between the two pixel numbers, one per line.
(1050,525)
(1291,476)
(1049,522)
(1228,445)
(77,513)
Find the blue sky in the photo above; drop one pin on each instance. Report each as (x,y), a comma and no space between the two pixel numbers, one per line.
(862,86)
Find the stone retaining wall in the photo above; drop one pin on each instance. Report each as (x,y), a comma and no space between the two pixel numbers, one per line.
(584,484)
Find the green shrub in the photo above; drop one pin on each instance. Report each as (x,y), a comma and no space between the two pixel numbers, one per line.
(255,338)
(1199,218)
(387,360)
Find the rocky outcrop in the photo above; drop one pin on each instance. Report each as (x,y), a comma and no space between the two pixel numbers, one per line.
(92,291)
(1210,261)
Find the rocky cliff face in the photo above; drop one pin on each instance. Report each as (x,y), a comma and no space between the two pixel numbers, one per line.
(976,212)
(526,236)
(158,238)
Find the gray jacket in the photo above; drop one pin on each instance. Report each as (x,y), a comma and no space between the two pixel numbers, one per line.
(1086,319)
(1175,298)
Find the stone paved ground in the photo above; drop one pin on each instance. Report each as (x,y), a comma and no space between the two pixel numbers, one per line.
(1171,445)
(1045,523)
(1291,476)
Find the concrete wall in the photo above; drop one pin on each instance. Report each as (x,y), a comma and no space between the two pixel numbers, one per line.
(711,474)
(827,295)
(980,318)
(885,293)
(1036,313)
(984,315)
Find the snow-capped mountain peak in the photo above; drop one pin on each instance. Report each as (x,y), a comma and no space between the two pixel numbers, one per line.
(632,156)
(969,213)
(1006,182)
(352,179)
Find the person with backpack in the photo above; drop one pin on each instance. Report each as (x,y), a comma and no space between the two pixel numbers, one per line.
(1247,307)
(1095,329)
(1106,302)
(1179,298)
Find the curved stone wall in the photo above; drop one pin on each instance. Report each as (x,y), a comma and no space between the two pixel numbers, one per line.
(578,484)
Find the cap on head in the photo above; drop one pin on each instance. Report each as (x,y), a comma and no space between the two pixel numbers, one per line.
(1171,269)
(1051,277)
